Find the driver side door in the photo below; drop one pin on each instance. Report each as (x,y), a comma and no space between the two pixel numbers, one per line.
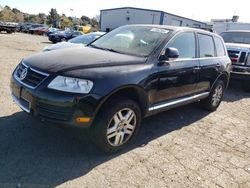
(179,77)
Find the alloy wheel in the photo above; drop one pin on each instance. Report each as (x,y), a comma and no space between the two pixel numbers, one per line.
(121,127)
(218,93)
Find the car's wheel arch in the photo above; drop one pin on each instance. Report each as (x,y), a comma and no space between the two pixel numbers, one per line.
(133,92)
(224,76)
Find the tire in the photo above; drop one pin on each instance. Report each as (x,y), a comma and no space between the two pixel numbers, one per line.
(212,102)
(63,40)
(109,136)
(246,86)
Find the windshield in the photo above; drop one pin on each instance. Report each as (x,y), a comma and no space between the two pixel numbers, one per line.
(135,40)
(84,39)
(236,37)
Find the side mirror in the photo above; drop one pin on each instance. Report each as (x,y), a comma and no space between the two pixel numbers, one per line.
(170,53)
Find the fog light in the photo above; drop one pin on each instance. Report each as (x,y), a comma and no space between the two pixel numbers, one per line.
(82,120)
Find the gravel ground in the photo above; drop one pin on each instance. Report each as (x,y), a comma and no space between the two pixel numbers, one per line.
(185,147)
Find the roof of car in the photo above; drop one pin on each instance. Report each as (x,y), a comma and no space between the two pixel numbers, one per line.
(177,28)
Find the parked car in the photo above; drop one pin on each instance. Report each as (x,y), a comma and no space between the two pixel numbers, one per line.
(25,27)
(41,30)
(33,28)
(81,40)
(238,47)
(52,30)
(7,27)
(63,36)
(131,72)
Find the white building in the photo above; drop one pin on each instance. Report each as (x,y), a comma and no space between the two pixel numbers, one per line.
(113,18)
(221,25)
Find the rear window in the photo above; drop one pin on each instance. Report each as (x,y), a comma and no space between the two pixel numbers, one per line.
(206,44)
(219,47)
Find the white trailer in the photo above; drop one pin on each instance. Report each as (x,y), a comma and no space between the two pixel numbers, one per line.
(220,27)
(113,18)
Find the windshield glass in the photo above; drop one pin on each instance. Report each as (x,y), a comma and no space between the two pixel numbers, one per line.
(135,40)
(236,37)
(84,39)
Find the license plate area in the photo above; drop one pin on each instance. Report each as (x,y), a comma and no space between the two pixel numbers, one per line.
(22,103)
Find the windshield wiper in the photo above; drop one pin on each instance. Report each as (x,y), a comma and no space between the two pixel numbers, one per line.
(112,50)
(94,46)
(107,49)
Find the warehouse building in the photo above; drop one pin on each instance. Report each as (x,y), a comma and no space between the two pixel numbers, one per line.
(221,25)
(113,18)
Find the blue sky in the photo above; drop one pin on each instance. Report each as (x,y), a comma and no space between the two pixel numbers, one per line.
(196,9)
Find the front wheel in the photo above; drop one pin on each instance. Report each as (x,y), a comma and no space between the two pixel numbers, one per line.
(116,125)
(63,40)
(213,101)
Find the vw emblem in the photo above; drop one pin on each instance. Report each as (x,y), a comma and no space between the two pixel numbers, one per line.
(23,74)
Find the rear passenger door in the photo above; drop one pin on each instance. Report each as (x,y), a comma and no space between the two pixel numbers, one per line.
(209,63)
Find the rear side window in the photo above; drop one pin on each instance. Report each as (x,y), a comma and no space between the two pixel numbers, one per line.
(185,44)
(219,47)
(206,44)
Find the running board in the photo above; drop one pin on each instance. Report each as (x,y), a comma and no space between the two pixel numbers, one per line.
(178,102)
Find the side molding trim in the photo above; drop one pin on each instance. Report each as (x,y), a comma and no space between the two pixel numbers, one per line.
(178,101)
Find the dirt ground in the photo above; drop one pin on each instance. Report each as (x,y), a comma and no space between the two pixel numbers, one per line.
(184,147)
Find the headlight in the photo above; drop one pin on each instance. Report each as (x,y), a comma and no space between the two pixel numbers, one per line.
(73,85)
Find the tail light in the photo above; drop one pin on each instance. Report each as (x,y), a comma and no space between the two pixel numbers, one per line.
(234,59)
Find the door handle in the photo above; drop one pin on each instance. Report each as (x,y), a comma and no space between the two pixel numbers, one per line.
(196,68)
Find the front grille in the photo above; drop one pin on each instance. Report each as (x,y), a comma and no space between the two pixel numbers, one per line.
(54,112)
(242,57)
(237,57)
(33,77)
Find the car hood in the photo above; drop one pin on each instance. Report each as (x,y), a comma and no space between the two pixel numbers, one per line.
(237,45)
(79,58)
(61,45)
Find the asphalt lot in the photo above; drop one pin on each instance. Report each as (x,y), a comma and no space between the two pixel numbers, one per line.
(184,147)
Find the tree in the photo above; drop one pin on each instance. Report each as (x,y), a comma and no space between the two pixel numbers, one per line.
(94,22)
(66,21)
(7,15)
(97,17)
(53,18)
(85,20)
(42,18)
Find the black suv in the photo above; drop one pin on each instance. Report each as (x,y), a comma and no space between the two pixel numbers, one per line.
(238,46)
(130,73)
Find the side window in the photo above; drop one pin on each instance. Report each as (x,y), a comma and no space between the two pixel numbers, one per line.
(185,44)
(219,47)
(206,44)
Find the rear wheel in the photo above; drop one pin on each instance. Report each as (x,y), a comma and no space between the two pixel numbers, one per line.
(213,101)
(116,125)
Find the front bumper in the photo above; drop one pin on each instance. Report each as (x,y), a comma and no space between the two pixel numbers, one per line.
(54,106)
(240,73)
(54,38)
